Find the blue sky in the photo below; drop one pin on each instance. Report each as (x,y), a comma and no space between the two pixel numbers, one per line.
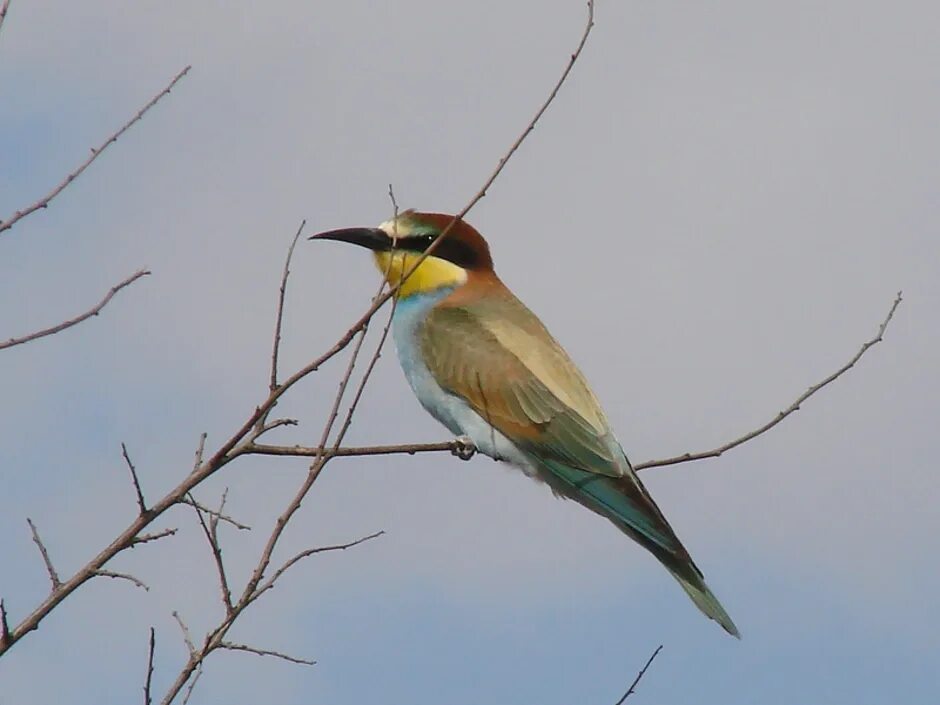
(715,214)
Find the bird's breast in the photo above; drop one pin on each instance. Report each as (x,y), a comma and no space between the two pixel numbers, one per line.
(449,409)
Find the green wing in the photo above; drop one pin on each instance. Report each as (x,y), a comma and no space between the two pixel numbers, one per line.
(497,356)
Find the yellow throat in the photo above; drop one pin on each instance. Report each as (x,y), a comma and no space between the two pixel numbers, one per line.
(433,273)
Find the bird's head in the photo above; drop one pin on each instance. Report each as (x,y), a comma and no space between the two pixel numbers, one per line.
(397,245)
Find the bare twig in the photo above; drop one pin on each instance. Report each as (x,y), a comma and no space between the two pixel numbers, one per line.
(141,505)
(352,451)
(94,311)
(3,11)
(715,452)
(479,195)
(639,676)
(200,449)
(4,625)
(227,518)
(95,153)
(212,537)
(187,637)
(50,569)
(153,647)
(280,307)
(288,564)
(193,658)
(147,538)
(122,576)
(230,646)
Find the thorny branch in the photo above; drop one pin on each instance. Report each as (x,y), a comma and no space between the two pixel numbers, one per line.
(148,699)
(639,676)
(95,153)
(94,311)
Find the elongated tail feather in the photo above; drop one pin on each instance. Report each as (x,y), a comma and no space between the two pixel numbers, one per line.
(626,503)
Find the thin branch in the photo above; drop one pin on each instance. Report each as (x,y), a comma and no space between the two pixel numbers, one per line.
(639,676)
(4,625)
(147,538)
(715,452)
(200,449)
(589,25)
(94,311)
(141,505)
(122,576)
(352,451)
(187,637)
(230,646)
(212,537)
(95,153)
(53,576)
(191,501)
(269,583)
(3,11)
(282,292)
(153,647)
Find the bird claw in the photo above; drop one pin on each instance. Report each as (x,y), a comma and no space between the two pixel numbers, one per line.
(463,448)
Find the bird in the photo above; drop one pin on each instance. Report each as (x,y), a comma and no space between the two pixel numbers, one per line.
(482,364)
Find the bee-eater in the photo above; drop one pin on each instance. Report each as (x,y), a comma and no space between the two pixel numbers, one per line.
(483,365)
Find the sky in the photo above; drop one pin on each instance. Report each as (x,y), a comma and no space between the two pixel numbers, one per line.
(714,215)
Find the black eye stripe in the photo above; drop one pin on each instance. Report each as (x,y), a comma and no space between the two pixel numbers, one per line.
(451,249)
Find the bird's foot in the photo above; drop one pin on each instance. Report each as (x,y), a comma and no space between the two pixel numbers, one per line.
(464,448)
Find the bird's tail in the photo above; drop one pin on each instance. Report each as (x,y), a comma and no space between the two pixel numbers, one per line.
(625,502)
(691,580)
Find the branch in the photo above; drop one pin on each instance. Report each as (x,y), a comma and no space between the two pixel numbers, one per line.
(795,406)
(639,676)
(282,292)
(228,645)
(95,153)
(153,646)
(78,319)
(191,501)
(210,531)
(268,584)
(4,625)
(122,576)
(147,538)
(456,447)
(3,11)
(140,495)
(50,569)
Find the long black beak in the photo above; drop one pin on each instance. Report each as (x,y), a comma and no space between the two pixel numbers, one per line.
(371,238)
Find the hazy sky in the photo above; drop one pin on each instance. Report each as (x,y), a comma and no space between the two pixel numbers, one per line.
(714,215)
